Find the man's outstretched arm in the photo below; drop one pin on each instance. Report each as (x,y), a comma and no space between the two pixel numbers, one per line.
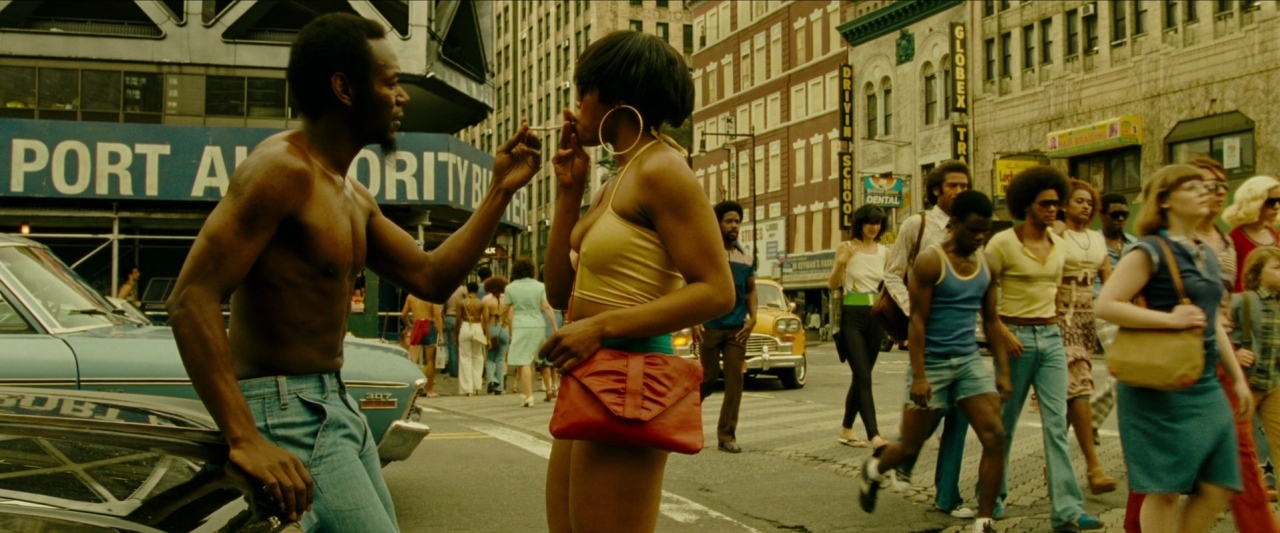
(263,192)
(433,276)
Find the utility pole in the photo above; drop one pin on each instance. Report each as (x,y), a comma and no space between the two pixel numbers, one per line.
(733,134)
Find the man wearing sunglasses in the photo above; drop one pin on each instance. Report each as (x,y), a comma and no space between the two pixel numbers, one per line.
(1114,214)
(1027,261)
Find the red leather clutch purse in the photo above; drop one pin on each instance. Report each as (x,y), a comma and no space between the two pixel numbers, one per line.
(649,400)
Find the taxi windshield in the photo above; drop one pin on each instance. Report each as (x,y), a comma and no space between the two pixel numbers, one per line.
(770,296)
(57,289)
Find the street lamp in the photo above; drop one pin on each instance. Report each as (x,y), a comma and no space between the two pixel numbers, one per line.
(732,134)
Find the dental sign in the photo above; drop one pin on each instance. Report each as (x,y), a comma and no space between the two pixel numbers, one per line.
(92,161)
(960,67)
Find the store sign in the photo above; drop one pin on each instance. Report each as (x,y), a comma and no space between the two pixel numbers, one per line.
(809,270)
(847,193)
(846,102)
(95,161)
(884,190)
(1111,133)
(960,147)
(772,240)
(1006,169)
(960,67)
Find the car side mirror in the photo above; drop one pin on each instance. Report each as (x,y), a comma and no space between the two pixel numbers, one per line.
(791,306)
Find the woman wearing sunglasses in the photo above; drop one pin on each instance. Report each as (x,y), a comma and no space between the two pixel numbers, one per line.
(1253,217)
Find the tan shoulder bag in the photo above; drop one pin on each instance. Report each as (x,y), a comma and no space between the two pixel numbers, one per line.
(1161,359)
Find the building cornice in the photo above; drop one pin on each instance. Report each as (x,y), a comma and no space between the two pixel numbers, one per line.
(891,18)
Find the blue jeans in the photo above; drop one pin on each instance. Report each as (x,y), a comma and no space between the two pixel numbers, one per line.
(946,475)
(313,418)
(494,358)
(1043,364)
(451,345)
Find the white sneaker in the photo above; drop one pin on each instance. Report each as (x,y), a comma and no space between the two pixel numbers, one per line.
(963,512)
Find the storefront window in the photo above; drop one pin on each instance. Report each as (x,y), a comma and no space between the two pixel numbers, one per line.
(1234,150)
(101,96)
(143,92)
(17,92)
(266,97)
(59,88)
(1113,171)
(224,95)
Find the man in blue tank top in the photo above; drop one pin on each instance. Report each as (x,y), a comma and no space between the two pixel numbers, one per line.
(949,285)
(725,338)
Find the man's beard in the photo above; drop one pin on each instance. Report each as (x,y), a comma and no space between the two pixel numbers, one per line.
(390,144)
(387,141)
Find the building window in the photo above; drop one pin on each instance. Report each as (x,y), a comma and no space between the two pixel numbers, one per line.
(930,94)
(1005,5)
(988,8)
(799,103)
(1248,5)
(1073,33)
(1192,16)
(1029,46)
(663,4)
(224,96)
(887,86)
(637,3)
(688,39)
(873,112)
(801,38)
(143,93)
(1046,41)
(1221,6)
(17,92)
(59,91)
(637,25)
(266,97)
(101,91)
(1139,17)
(700,30)
(663,32)
(1118,23)
(1116,170)
(947,84)
(1006,54)
(1170,14)
(989,52)
(1091,35)
(1235,150)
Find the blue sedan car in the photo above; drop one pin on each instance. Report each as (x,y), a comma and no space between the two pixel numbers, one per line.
(59,332)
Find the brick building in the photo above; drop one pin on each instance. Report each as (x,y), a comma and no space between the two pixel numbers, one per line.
(768,71)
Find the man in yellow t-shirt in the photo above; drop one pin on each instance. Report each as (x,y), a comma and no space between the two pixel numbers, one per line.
(1027,262)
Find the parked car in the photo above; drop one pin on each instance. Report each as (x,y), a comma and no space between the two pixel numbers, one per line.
(61,333)
(106,462)
(777,344)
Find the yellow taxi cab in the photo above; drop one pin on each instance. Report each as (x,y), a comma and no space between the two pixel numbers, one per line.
(777,344)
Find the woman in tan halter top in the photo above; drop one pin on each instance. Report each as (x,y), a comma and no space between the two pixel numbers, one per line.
(639,262)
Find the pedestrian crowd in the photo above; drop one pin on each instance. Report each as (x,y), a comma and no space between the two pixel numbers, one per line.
(633,268)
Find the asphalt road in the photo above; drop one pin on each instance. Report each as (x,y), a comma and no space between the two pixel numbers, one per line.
(483,467)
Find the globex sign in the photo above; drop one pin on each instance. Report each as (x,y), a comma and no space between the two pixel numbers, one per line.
(49,159)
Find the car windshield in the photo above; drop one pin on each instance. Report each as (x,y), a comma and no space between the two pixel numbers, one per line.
(56,288)
(770,296)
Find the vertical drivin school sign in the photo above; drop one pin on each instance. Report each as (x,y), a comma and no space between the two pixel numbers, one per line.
(847,183)
(960,67)
(846,102)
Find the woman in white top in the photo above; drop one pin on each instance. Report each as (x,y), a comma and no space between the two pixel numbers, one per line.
(1086,258)
(859,269)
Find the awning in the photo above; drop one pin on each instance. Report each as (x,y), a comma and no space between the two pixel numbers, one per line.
(1125,130)
(1209,126)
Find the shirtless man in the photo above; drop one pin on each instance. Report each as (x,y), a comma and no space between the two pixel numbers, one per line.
(426,326)
(286,244)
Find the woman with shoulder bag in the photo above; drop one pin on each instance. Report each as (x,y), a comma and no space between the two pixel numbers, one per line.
(632,270)
(1176,441)
(858,270)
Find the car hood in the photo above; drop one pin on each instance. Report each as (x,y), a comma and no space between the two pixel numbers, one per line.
(150,353)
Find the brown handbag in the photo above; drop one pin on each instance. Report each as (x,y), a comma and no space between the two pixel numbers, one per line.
(886,310)
(1160,359)
(648,400)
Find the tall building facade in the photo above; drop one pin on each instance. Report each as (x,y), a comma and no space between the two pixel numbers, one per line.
(1111,91)
(767,76)
(536,45)
(123,122)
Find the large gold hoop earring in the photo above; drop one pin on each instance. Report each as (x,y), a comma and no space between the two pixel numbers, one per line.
(600,134)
